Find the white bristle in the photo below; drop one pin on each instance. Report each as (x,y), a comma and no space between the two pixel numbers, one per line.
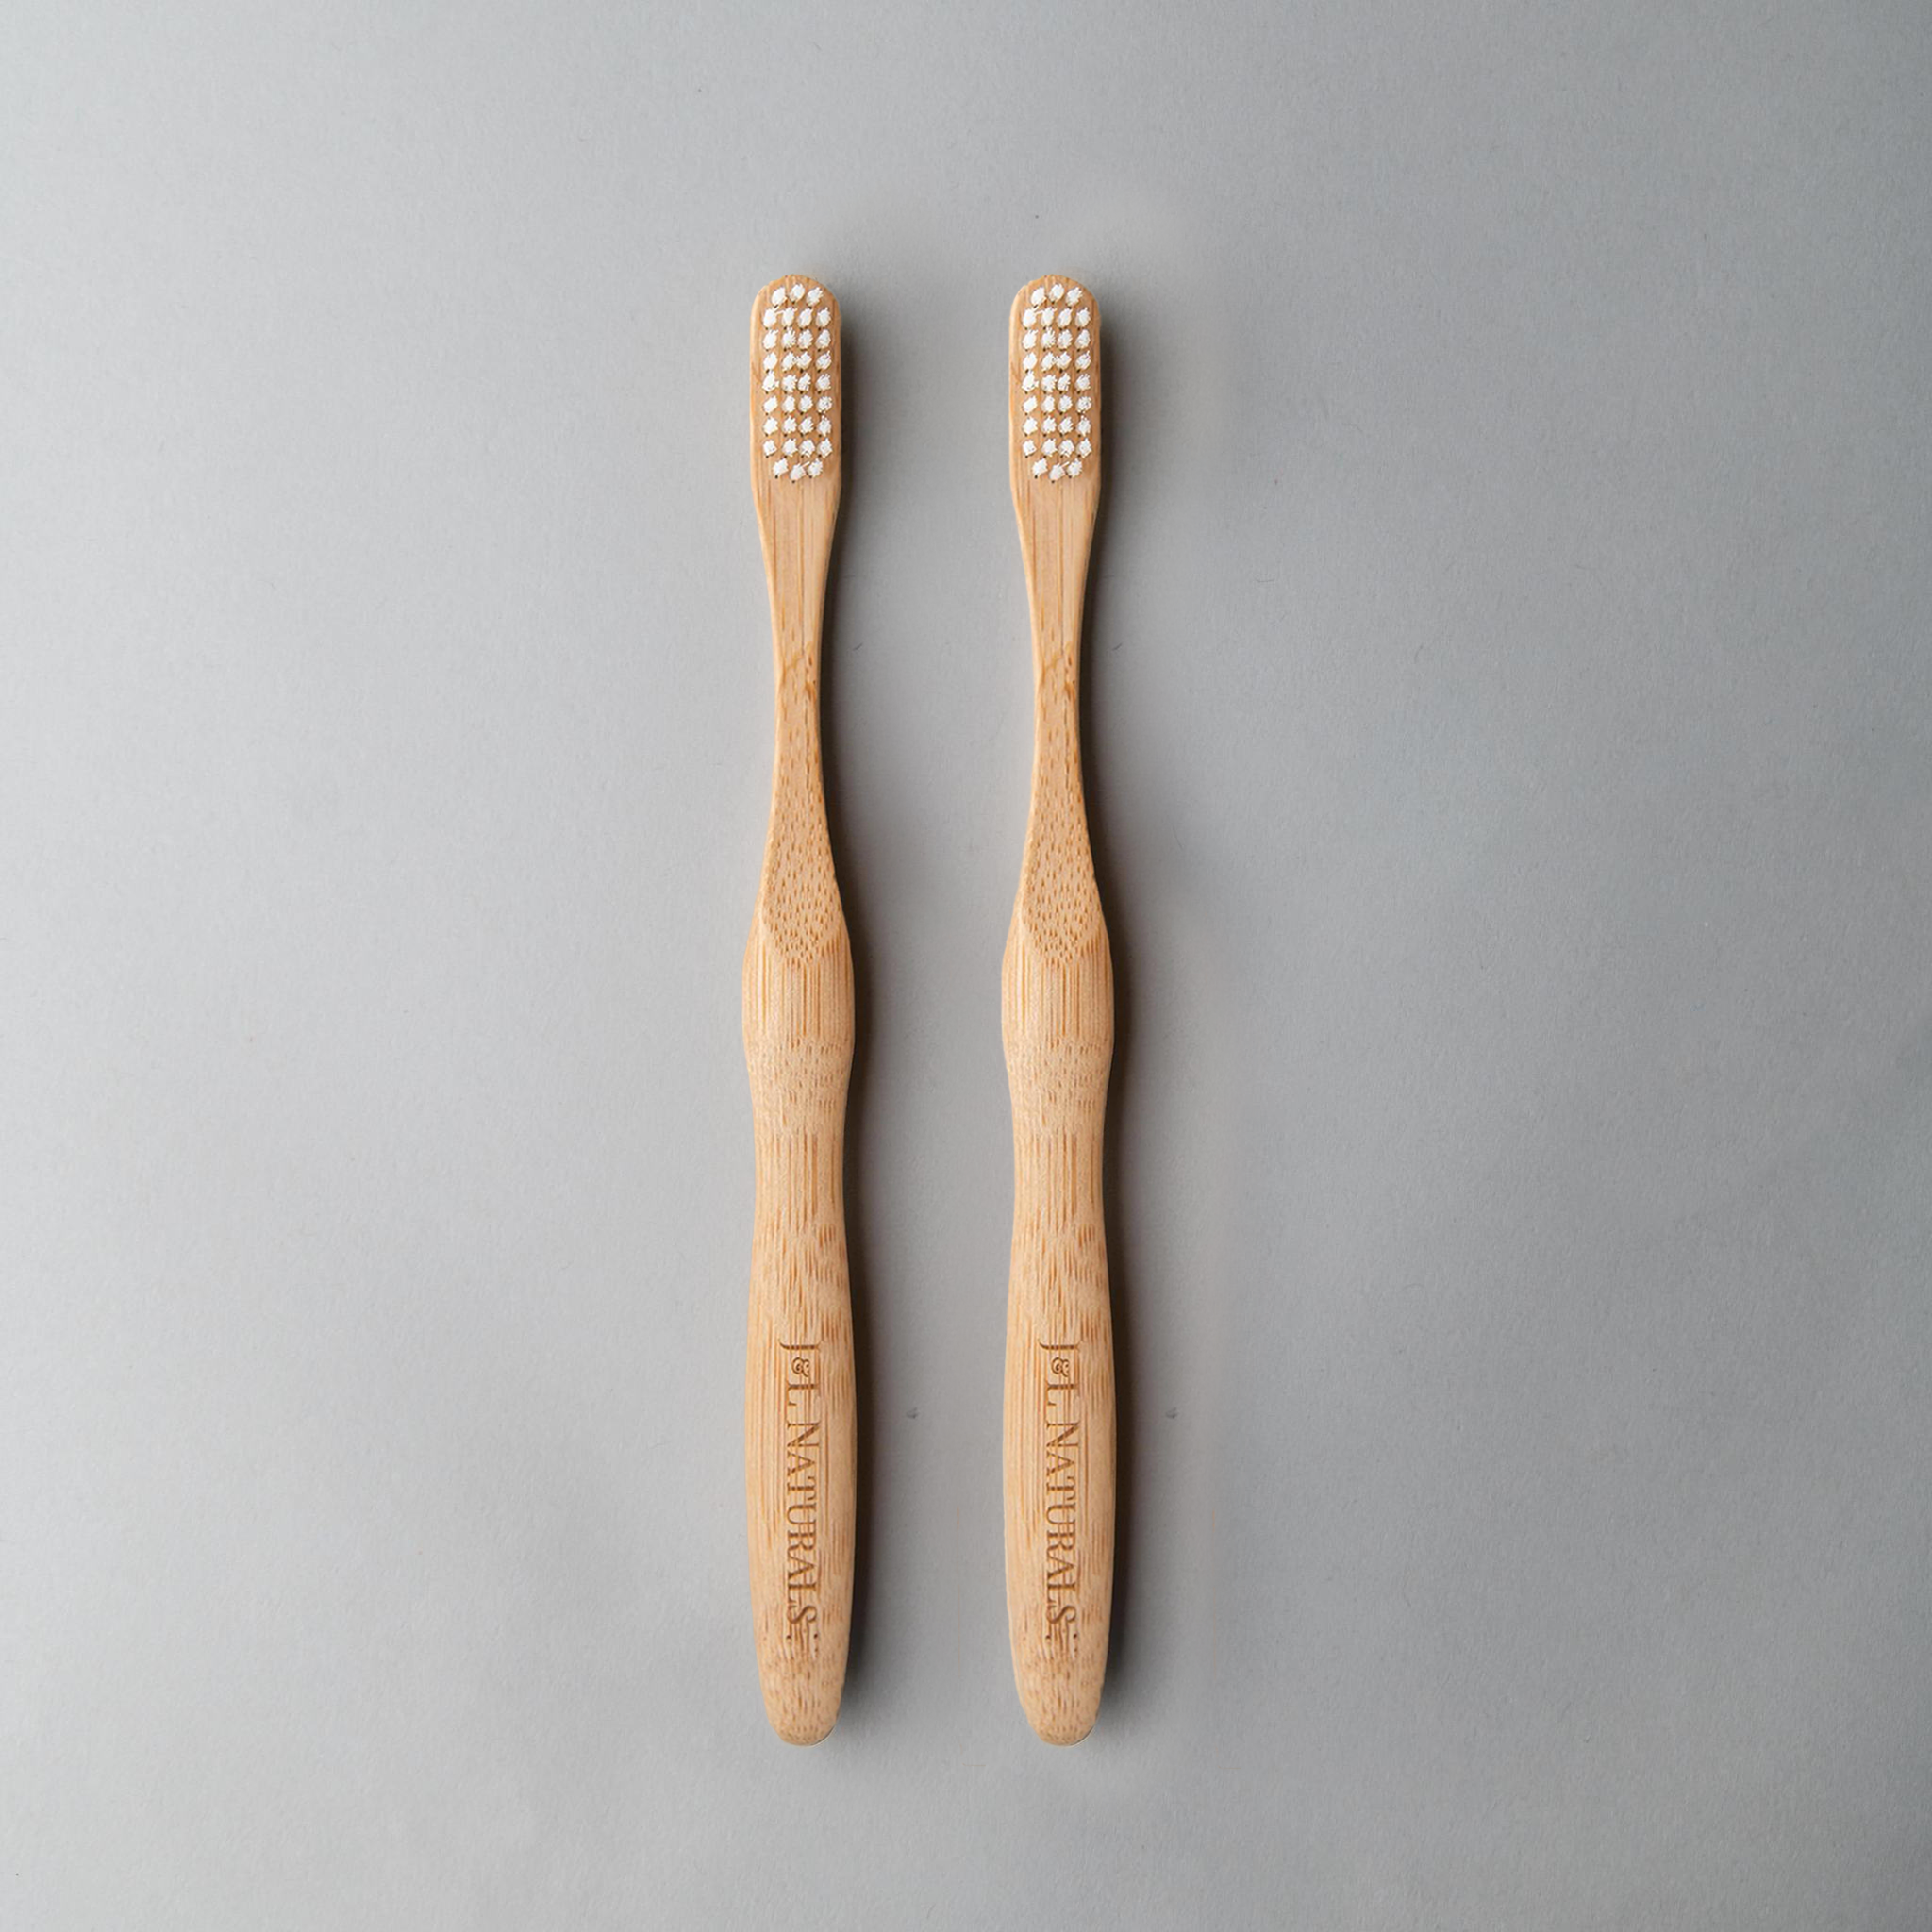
(1055,371)
(796,380)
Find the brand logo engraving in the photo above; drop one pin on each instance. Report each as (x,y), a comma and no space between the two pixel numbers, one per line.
(1064,1456)
(805,1468)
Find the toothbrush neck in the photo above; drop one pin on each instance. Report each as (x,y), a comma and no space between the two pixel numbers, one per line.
(1057,674)
(798,589)
(1055,535)
(797,583)
(1059,809)
(795,658)
(796,654)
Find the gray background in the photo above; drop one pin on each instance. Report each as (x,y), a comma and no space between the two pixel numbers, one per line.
(1511,744)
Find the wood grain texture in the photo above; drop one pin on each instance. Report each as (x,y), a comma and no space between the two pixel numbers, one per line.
(1057,1019)
(800,1398)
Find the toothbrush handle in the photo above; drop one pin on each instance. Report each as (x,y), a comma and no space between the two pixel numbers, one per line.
(800,1393)
(1060,1381)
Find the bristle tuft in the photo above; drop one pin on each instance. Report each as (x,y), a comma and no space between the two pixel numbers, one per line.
(796,356)
(1055,367)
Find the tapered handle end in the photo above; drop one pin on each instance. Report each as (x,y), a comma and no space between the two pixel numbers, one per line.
(800,1483)
(1059,1498)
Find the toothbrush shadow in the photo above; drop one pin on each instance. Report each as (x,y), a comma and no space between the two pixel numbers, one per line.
(1125,1670)
(856,1092)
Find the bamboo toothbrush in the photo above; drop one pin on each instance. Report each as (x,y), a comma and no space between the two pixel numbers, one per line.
(799,1390)
(1056,1018)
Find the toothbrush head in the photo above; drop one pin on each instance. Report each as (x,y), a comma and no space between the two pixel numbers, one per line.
(1053,386)
(795,390)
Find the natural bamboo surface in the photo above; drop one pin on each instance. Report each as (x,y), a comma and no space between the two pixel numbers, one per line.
(800,1394)
(1057,1014)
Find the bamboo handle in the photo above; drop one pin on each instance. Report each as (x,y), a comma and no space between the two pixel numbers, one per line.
(800,1397)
